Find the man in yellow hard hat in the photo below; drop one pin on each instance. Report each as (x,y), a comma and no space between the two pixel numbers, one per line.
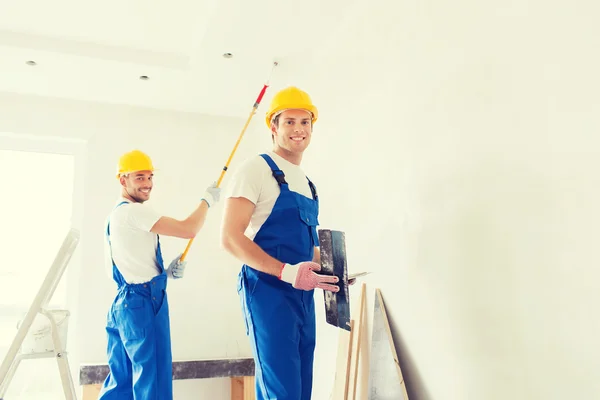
(270,224)
(138,326)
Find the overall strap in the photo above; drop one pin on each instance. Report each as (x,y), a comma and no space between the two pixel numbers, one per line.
(118,278)
(108,223)
(277,173)
(313,189)
(159,257)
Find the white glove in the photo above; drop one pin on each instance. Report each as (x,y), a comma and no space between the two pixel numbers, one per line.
(212,194)
(301,276)
(176,268)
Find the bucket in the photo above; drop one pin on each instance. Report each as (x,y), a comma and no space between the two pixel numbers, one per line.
(39,337)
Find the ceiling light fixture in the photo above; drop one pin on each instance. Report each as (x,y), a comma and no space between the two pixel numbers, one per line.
(31,62)
(227,55)
(144,77)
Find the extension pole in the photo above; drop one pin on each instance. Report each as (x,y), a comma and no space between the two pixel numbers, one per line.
(254,108)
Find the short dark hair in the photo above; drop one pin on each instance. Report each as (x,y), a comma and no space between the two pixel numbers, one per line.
(276,122)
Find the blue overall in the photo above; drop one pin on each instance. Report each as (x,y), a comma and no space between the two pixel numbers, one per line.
(280,320)
(139,339)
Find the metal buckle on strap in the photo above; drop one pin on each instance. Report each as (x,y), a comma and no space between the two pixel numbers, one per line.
(280,177)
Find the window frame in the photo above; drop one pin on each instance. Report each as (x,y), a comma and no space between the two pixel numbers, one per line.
(77,148)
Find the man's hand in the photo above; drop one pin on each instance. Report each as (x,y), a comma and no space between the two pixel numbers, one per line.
(212,194)
(176,268)
(301,276)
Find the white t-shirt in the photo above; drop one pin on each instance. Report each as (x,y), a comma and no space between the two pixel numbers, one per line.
(254,180)
(133,245)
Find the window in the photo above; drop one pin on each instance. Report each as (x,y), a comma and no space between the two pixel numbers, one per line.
(36,205)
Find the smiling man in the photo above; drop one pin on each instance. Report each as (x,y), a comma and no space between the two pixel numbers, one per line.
(138,327)
(270,224)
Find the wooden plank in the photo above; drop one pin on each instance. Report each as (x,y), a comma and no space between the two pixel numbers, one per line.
(348,360)
(237,388)
(249,388)
(197,369)
(91,392)
(385,378)
(339,381)
(341,369)
(242,388)
(356,347)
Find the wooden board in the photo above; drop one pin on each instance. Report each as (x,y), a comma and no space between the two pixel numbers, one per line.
(242,388)
(341,381)
(91,392)
(358,328)
(385,379)
(346,373)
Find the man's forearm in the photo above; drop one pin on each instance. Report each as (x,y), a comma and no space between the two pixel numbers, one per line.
(196,219)
(251,254)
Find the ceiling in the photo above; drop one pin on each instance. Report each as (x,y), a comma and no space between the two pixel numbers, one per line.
(97,51)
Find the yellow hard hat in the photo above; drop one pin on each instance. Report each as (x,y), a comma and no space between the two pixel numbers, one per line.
(291,98)
(134,160)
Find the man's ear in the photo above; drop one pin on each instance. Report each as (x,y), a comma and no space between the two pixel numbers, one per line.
(122,181)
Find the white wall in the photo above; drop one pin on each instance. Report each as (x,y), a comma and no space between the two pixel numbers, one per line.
(463,155)
(203,144)
(463,144)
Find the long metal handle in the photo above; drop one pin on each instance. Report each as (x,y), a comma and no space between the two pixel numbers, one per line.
(237,143)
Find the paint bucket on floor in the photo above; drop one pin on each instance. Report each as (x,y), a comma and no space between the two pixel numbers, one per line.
(39,337)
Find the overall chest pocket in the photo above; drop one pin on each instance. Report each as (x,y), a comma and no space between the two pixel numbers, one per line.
(311,220)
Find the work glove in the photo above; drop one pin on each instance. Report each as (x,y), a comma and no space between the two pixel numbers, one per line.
(176,268)
(212,194)
(302,276)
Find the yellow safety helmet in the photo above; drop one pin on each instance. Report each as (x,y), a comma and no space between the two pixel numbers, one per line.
(291,98)
(134,160)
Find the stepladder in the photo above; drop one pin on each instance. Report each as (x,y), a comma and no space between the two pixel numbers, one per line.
(42,333)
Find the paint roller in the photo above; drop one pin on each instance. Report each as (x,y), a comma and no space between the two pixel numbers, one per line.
(252,112)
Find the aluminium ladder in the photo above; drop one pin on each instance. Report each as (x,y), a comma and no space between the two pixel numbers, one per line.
(15,355)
